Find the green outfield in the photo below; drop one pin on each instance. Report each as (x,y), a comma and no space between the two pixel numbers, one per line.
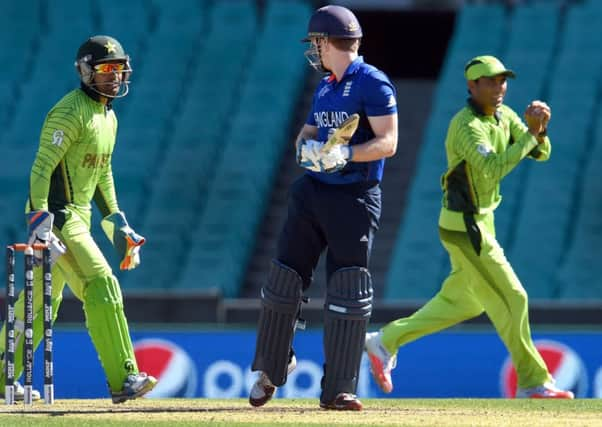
(305,412)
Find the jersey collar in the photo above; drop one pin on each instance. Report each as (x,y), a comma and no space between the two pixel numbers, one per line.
(479,111)
(96,96)
(351,69)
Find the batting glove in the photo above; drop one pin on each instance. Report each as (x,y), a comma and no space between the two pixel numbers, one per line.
(308,154)
(311,156)
(336,158)
(125,240)
(40,231)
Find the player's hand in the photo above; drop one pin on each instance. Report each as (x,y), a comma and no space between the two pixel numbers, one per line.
(311,156)
(308,154)
(537,116)
(124,239)
(336,158)
(39,225)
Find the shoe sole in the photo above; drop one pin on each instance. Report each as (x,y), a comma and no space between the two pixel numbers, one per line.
(148,386)
(269,393)
(565,395)
(352,405)
(376,367)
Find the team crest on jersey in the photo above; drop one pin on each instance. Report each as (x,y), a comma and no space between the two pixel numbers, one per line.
(484,150)
(323,91)
(57,137)
(392,102)
(347,88)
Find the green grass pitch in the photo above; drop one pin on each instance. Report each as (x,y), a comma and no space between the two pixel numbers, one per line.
(305,412)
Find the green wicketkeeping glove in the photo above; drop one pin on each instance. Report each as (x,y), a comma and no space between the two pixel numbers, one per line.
(125,240)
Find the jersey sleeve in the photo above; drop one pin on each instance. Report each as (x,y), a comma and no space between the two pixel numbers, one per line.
(105,196)
(311,120)
(60,130)
(518,129)
(379,95)
(471,142)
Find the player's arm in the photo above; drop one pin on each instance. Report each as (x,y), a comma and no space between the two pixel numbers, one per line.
(380,105)
(61,128)
(307,132)
(518,128)
(384,143)
(105,196)
(126,241)
(538,115)
(471,142)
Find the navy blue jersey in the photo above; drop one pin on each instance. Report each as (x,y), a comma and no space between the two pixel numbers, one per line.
(364,90)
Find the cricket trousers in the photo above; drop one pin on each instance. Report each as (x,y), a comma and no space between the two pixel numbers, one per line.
(477,283)
(340,218)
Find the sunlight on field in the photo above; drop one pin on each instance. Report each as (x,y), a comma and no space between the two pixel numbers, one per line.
(305,412)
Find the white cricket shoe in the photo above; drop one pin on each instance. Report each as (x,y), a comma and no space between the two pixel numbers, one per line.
(20,393)
(545,391)
(263,389)
(135,386)
(381,361)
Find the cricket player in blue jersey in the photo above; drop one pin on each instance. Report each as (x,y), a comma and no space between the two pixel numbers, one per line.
(335,206)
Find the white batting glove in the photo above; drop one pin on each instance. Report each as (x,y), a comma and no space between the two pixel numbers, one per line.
(40,231)
(336,158)
(311,156)
(308,154)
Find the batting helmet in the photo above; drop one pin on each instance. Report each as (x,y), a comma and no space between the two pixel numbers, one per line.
(335,22)
(98,50)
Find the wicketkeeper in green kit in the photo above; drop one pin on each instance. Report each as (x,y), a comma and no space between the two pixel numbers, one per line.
(485,141)
(72,168)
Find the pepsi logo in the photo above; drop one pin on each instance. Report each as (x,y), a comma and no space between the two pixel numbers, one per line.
(564,364)
(171,365)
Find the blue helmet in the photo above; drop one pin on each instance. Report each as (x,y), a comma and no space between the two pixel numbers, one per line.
(335,22)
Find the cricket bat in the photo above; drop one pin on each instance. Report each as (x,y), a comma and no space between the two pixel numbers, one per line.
(343,133)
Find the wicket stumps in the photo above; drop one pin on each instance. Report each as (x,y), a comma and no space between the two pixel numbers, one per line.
(28,343)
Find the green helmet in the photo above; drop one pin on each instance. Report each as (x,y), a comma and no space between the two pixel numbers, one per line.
(97,50)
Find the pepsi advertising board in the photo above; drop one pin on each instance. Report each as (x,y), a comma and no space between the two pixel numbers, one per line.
(216,364)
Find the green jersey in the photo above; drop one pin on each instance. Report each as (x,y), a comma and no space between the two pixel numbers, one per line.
(73,162)
(481,150)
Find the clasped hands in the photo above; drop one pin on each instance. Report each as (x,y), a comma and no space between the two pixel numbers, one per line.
(537,116)
(311,156)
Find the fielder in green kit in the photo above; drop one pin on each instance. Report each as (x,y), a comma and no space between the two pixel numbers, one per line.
(73,168)
(486,140)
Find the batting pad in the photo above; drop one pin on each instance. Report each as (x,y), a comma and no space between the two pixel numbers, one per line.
(347,311)
(280,304)
(108,328)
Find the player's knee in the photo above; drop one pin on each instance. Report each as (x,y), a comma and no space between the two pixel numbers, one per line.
(103,290)
(283,290)
(349,293)
(519,299)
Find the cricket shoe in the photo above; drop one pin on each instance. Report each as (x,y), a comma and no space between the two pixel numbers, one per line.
(20,393)
(343,402)
(381,361)
(135,386)
(263,389)
(545,391)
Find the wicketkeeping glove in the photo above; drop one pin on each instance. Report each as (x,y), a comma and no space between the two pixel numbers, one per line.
(39,225)
(125,240)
